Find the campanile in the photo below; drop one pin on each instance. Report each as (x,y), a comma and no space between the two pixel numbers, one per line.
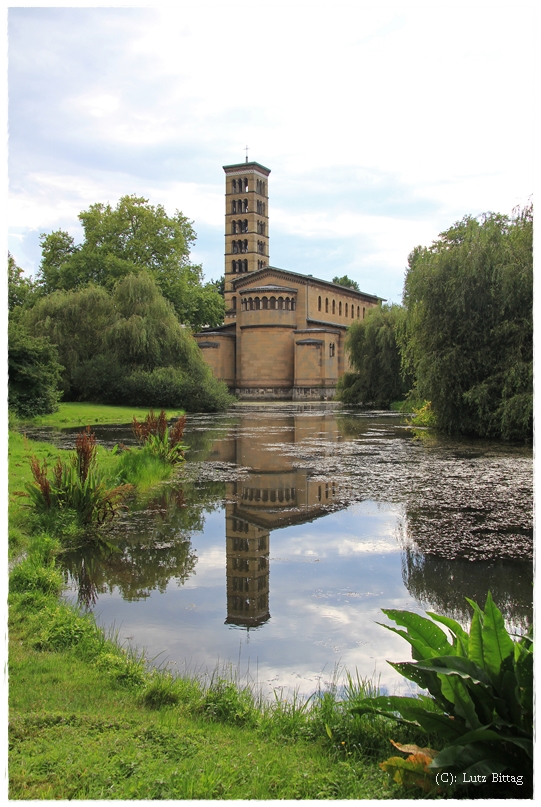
(246,224)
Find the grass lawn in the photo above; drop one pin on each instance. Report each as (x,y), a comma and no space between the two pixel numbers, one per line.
(77,732)
(89,414)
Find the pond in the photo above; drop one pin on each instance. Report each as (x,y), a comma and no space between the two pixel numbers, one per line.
(291,526)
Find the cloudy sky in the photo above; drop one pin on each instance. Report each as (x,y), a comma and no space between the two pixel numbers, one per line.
(382,123)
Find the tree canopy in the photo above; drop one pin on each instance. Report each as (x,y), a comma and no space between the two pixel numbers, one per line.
(33,372)
(375,356)
(346,281)
(463,339)
(468,336)
(126,346)
(124,240)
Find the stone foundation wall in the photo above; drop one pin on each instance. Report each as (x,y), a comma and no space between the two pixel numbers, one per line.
(284,394)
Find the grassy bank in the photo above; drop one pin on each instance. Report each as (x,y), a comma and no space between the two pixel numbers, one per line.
(88,721)
(90,414)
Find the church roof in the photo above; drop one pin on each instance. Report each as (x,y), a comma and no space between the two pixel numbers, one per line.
(246,166)
(260,273)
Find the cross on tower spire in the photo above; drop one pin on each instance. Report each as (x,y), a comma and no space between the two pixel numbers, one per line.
(246,147)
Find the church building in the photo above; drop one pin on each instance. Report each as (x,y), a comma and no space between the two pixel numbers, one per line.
(283,335)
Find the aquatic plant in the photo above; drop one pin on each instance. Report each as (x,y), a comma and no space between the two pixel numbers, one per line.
(76,485)
(480,706)
(162,440)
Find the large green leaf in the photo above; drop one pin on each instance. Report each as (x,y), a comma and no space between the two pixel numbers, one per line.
(420,650)
(421,629)
(423,678)
(488,735)
(475,647)
(486,759)
(461,636)
(497,644)
(454,689)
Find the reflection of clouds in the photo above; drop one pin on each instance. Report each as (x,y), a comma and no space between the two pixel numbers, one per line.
(211,561)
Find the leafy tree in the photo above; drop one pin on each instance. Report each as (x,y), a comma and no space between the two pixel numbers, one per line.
(346,281)
(375,356)
(124,240)
(127,346)
(20,288)
(469,325)
(34,373)
(76,322)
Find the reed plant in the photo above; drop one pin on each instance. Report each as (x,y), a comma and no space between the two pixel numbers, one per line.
(76,486)
(161,440)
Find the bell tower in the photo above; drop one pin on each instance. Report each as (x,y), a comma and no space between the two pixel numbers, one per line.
(246,224)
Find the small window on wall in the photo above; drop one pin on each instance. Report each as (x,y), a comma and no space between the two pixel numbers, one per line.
(340,308)
(334,307)
(358,312)
(326,305)
(352,310)
(319,303)
(234,303)
(234,188)
(346,309)
(364,311)
(331,350)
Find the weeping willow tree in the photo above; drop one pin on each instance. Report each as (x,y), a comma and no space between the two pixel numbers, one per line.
(375,358)
(127,346)
(468,336)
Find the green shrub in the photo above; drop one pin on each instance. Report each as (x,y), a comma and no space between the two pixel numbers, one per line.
(60,627)
(31,575)
(161,691)
(480,702)
(225,702)
(124,668)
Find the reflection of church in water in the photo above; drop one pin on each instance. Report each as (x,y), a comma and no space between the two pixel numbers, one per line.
(276,494)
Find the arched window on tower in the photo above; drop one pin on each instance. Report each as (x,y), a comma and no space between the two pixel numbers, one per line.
(233,206)
(245,205)
(272,303)
(245,226)
(233,227)
(234,188)
(234,303)
(245,245)
(234,267)
(235,247)
(245,266)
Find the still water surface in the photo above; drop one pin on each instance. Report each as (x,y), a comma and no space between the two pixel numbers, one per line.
(290,527)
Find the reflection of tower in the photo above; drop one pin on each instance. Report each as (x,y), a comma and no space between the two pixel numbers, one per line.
(274,494)
(247,565)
